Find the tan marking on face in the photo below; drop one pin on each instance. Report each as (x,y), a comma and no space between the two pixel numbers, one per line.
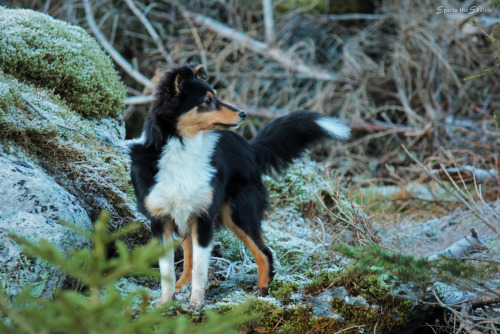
(193,121)
(209,95)
(260,258)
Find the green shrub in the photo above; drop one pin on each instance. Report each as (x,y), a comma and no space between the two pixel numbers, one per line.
(400,268)
(103,308)
(62,58)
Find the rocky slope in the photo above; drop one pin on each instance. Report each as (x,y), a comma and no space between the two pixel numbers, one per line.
(62,155)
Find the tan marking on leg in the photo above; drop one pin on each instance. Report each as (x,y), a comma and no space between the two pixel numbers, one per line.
(187,272)
(259,256)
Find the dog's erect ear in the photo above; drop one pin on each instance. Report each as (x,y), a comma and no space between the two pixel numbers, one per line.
(178,84)
(200,72)
(180,76)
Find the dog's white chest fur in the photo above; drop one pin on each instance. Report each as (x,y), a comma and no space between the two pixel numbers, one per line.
(183,181)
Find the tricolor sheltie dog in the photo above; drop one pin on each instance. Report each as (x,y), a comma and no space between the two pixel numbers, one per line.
(189,173)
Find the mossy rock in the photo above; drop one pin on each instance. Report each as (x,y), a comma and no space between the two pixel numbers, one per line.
(92,169)
(380,308)
(61,58)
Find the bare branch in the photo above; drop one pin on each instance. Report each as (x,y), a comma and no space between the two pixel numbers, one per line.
(144,99)
(462,247)
(468,174)
(110,49)
(277,54)
(151,30)
(379,127)
(39,112)
(267,8)
(482,211)
(272,113)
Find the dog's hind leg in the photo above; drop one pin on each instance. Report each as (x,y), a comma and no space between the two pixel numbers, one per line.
(247,228)
(185,279)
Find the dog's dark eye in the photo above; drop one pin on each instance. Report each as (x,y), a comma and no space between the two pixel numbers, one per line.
(208,101)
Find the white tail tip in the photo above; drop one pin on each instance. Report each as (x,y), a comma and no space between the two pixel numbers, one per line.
(334,127)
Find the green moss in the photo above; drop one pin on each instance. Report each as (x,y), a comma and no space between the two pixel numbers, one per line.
(321,281)
(63,59)
(297,320)
(375,306)
(282,290)
(389,311)
(290,320)
(369,317)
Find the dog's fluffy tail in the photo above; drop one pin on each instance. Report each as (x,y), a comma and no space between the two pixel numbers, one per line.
(286,138)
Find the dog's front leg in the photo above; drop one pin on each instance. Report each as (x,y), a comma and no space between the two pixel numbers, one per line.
(167,269)
(202,234)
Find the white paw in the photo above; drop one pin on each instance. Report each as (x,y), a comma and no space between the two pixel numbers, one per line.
(196,301)
(165,297)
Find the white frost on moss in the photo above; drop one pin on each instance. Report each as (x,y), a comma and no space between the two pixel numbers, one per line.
(298,186)
(62,58)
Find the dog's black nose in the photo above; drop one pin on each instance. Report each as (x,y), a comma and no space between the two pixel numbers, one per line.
(243,115)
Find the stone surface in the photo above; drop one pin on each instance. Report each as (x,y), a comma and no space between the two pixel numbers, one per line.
(32,206)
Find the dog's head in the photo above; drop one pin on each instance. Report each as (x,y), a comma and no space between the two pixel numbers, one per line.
(184,95)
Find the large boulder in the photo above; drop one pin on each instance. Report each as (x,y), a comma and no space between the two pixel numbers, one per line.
(32,206)
(62,152)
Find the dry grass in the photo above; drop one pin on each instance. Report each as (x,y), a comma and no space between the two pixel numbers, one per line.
(405,68)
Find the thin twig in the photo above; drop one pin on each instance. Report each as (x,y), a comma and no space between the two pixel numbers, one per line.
(39,112)
(458,194)
(297,266)
(110,49)
(197,39)
(151,30)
